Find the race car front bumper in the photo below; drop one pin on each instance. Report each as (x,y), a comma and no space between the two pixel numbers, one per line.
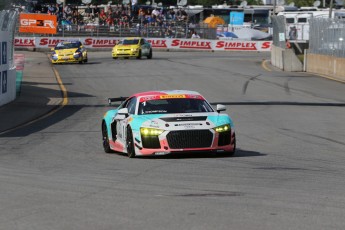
(186,141)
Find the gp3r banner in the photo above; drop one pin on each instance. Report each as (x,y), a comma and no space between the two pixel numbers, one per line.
(37,23)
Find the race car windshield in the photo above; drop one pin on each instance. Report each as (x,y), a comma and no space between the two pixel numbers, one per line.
(181,105)
(129,42)
(62,46)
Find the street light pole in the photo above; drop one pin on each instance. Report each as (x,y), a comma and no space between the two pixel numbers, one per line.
(330,8)
(274,7)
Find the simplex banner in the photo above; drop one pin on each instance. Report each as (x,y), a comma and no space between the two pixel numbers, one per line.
(159,43)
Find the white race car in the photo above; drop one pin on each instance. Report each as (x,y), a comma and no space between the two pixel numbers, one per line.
(163,122)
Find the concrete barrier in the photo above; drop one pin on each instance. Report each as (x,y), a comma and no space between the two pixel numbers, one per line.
(326,65)
(8,20)
(285,59)
(7,70)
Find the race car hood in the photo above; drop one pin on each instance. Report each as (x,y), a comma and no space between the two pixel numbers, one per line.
(66,51)
(126,46)
(180,121)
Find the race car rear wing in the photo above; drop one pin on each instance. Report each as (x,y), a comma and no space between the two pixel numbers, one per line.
(115,99)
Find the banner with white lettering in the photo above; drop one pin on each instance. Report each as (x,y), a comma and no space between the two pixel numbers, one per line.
(157,43)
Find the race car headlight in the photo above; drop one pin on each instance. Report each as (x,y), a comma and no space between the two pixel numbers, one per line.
(222,128)
(77,54)
(135,49)
(150,131)
(55,56)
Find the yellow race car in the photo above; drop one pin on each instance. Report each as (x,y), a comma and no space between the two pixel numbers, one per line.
(69,52)
(132,47)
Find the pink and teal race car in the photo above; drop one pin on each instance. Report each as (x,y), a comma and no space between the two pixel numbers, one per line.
(164,122)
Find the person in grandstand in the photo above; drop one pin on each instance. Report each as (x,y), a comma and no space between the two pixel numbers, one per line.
(195,35)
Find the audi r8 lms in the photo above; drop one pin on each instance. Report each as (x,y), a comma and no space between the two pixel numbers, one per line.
(69,52)
(164,122)
(132,47)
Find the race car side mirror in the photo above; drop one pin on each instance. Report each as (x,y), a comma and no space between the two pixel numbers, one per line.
(220,108)
(123,111)
(122,114)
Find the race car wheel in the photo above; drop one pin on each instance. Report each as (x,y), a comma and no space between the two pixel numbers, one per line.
(81,62)
(106,145)
(150,55)
(139,55)
(114,57)
(130,143)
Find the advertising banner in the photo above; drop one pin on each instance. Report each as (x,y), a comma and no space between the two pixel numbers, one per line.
(236,18)
(157,43)
(37,23)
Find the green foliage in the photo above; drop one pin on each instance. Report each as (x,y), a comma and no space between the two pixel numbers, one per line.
(4,4)
(300,3)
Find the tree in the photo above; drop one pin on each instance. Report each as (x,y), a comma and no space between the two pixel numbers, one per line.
(5,4)
(301,2)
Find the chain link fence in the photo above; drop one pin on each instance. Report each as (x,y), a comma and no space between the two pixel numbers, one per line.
(278,23)
(327,37)
(179,30)
(8,19)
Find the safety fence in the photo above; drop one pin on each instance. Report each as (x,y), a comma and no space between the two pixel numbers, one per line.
(327,37)
(279,31)
(8,19)
(173,30)
(157,43)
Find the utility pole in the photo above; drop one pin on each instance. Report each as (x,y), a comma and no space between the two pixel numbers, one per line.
(274,7)
(330,8)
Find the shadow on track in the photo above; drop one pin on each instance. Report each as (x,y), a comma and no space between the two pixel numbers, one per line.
(195,155)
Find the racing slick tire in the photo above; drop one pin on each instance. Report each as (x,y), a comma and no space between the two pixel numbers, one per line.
(106,145)
(150,55)
(130,143)
(139,55)
(114,57)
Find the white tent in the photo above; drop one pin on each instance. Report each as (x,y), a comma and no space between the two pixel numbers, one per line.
(251,34)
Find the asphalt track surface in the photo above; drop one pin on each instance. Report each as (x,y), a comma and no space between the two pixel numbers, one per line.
(288,172)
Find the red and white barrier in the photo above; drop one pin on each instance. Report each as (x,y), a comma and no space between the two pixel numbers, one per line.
(158,43)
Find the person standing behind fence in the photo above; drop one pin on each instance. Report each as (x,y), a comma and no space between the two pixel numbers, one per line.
(96,11)
(102,17)
(141,15)
(195,35)
(293,33)
(67,12)
(287,44)
(88,12)
(51,9)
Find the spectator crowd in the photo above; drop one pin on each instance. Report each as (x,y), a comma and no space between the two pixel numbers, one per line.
(115,16)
